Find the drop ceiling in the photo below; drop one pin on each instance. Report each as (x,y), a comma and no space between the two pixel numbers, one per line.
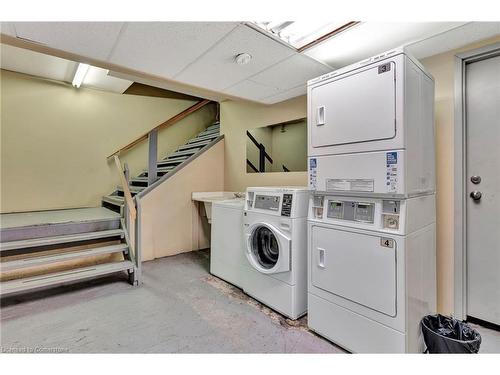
(50,67)
(201,54)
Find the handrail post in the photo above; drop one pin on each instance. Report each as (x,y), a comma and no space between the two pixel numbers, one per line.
(152,156)
(126,172)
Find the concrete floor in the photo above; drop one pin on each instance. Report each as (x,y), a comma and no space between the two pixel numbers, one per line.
(180,308)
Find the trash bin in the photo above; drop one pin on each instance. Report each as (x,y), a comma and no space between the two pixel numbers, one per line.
(443,334)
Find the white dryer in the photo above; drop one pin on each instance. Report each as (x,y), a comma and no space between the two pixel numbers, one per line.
(227,248)
(372,271)
(275,230)
(371,128)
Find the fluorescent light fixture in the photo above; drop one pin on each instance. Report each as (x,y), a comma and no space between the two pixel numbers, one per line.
(80,74)
(299,33)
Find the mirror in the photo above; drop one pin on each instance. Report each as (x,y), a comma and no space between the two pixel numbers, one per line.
(278,147)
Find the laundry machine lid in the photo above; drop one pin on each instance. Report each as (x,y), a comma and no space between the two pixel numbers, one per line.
(268,249)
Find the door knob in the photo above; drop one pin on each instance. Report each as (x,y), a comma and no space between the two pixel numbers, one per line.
(476,195)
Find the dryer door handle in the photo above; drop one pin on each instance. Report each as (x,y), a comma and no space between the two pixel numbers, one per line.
(320,116)
(321,257)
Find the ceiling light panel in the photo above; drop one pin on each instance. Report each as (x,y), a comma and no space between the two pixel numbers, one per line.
(80,74)
(98,78)
(299,33)
(369,38)
(165,48)
(89,39)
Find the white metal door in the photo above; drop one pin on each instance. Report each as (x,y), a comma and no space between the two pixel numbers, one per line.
(360,107)
(482,100)
(358,267)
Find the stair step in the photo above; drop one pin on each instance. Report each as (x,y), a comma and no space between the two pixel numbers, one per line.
(162,164)
(209,132)
(38,224)
(188,153)
(199,145)
(160,170)
(54,258)
(114,203)
(140,181)
(47,241)
(214,126)
(203,138)
(64,277)
(133,189)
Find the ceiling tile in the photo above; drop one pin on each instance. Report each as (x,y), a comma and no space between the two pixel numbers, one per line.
(251,90)
(165,48)
(217,70)
(89,39)
(369,38)
(455,38)
(7,28)
(36,64)
(292,72)
(285,95)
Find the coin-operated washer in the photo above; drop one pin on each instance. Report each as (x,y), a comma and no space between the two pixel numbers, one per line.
(275,233)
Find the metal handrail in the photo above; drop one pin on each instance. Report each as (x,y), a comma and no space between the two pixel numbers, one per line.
(163,125)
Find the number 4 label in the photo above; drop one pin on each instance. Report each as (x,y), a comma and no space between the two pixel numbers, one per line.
(387,242)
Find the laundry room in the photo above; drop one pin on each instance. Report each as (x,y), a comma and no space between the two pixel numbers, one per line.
(193,184)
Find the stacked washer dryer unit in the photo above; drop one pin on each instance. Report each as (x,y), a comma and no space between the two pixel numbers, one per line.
(275,231)
(371,223)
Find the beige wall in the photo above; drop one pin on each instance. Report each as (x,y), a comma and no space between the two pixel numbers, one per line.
(171,223)
(55,139)
(236,118)
(442,68)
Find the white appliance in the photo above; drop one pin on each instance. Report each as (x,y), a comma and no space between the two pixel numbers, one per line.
(371,128)
(227,247)
(371,271)
(275,231)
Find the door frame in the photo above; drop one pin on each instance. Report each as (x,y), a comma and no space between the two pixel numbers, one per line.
(460,169)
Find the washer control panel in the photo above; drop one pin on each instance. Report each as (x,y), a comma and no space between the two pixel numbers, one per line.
(286,206)
(267,202)
(351,210)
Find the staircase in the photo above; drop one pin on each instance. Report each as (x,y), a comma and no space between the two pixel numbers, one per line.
(43,249)
(50,248)
(115,200)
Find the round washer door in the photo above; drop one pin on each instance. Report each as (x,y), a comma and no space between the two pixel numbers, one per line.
(268,250)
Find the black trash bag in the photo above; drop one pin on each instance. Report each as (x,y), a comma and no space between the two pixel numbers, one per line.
(443,334)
